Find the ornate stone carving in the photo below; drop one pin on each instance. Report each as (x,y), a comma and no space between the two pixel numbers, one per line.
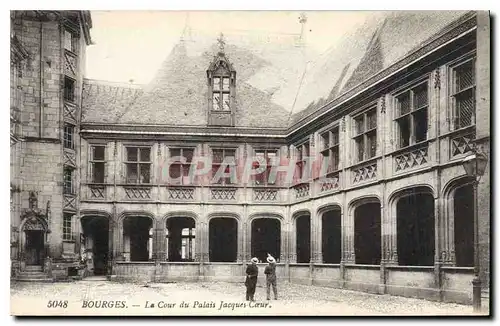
(382,104)
(180,193)
(301,190)
(343,124)
(364,173)
(412,158)
(265,195)
(437,79)
(223,193)
(33,200)
(462,144)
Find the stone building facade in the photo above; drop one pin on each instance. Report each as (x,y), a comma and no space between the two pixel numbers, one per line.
(47,64)
(389,132)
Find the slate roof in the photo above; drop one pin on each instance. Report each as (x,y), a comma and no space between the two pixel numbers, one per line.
(177,95)
(273,80)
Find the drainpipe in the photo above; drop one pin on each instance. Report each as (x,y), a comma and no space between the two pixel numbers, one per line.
(41,82)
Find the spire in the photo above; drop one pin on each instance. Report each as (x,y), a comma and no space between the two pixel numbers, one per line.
(221,42)
(303,22)
(186,32)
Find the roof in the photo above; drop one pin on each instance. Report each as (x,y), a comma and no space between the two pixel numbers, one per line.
(381,41)
(275,88)
(177,95)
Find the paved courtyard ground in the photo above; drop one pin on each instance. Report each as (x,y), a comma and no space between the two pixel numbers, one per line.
(211,299)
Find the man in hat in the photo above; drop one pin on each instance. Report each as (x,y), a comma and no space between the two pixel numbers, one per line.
(251,279)
(270,272)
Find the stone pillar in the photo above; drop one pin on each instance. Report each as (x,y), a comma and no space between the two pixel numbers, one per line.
(348,255)
(483,108)
(292,245)
(205,257)
(126,247)
(317,254)
(389,233)
(283,242)
(159,242)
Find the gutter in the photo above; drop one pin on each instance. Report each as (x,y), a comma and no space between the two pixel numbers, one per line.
(41,82)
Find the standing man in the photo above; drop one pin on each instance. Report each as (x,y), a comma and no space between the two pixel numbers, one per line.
(251,279)
(270,272)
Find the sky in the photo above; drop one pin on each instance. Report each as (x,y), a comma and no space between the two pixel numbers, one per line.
(129,46)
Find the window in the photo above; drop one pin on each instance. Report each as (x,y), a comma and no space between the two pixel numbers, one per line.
(68,180)
(330,149)
(69,41)
(67,227)
(268,158)
(301,163)
(187,244)
(68,136)
(219,156)
(365,131)
(69,89)
(220,94)
(463,94)
(179,169)
(411,115)
(97,163)
(138,162)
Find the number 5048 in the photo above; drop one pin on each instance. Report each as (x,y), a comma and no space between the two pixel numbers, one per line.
(57,304)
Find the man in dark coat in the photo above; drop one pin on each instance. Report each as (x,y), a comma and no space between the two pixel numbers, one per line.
(270,272)
(251,279)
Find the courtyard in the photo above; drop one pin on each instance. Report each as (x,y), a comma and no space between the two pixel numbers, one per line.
(100,297)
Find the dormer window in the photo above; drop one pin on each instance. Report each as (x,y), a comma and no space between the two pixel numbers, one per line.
(220,94)
(221,89)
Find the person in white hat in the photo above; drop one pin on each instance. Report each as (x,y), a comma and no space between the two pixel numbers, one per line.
(270,272)
(251,279)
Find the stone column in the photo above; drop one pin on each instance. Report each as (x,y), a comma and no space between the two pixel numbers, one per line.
(483,108)
(283,242)
(159,248)
(348,236)
(292,245)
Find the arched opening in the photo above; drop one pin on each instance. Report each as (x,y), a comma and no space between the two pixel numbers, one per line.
(138,238)
(415,228)
(96,243)
(223,239)
(181,235)
(266,238)
(35,231)
(303,238)
(463,210)
(331,236)
(367,233)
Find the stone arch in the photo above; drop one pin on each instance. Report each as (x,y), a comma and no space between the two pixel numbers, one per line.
(170,250)
(413,232)
(300,243)
(96,245)
(363,234)
(408,190)
(33,239)
(216,252)
(329,219)
(448,252)
(278,247)
(124,243)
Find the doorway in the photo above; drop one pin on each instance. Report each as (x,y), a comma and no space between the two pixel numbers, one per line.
(34,247)
(96,243)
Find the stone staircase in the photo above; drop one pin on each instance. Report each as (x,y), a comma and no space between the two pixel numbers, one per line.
(33,274)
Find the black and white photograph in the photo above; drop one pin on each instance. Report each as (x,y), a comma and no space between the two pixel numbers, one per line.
(250,163)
